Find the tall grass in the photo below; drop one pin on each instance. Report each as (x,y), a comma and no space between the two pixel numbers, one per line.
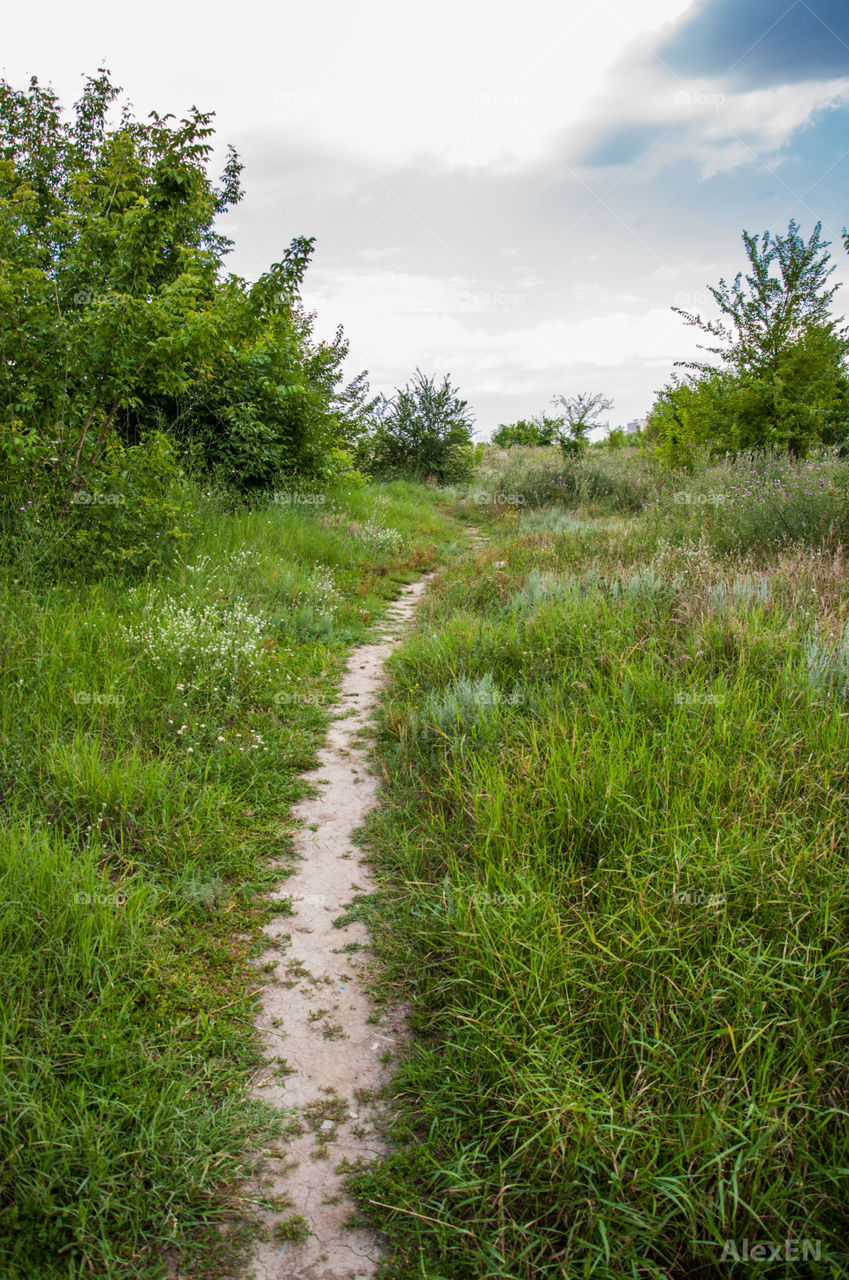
(594,481)
(619,907)
(151,739)
(755,502)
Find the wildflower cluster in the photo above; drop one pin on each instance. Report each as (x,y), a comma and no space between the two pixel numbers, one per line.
(320,591)
(215,638)
(773,498)
(379,538)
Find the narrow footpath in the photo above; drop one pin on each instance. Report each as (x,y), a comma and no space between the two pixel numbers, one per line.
(316,1014)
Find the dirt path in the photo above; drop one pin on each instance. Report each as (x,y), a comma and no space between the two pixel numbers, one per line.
(315,1013)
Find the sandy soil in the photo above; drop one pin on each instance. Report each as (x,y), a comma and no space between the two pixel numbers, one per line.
(315,1012)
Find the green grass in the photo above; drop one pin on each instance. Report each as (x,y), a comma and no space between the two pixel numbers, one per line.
(151,740)
(613,843)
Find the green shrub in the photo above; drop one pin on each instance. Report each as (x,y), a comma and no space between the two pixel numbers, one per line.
(128,509)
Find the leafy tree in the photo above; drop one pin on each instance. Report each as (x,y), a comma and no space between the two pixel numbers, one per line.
(119,326)
(270,400)
(779,375)
(108,263)
(615,439)
(580,415)
(768,312)
(423,430)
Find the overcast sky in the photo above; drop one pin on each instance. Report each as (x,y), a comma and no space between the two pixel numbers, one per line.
(512,196)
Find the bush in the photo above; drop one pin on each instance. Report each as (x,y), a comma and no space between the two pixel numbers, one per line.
(424,432)
(119,326)
(126,510)
(540,430)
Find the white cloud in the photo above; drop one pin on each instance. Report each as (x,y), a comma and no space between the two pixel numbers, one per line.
(473,84)
(441,326)
(661,118)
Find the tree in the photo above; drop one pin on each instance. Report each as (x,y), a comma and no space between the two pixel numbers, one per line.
(771,312)
(109,267)
(424,430)
(580,415)
(615,439)
(779,374)
(119,323)
(270,400)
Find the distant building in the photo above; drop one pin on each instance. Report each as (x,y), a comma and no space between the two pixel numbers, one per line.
(637,424)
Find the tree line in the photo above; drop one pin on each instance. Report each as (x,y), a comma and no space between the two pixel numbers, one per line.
(776,376)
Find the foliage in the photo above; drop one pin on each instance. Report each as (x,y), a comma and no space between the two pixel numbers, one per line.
(271,401)
(424,431)
(616,438)
(581,413)
(119,326)
(539,430)
(569,429)
(771,312)
(108,261)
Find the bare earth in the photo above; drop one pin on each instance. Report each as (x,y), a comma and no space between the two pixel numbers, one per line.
(315,1010)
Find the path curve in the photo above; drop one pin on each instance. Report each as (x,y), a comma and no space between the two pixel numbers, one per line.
(315,1010)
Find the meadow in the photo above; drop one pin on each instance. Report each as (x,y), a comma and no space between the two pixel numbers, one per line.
(613,844)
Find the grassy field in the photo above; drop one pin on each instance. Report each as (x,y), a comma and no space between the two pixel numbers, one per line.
(613,844)
(150,742)
(613,840)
